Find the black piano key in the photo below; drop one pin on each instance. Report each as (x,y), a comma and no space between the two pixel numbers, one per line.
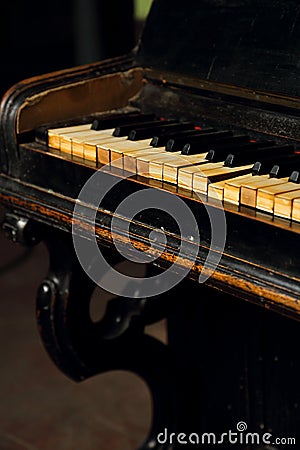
(219,152)
(161,139)
(262,167)
(41,135)
(124,130)
(145,132)
(265,165)
(202,137)
(285,168)
(115,120)
(259,168)
(176,144)
(250,155)
(227,142)
(295,176)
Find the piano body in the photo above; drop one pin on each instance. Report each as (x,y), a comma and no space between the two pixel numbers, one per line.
(215,83)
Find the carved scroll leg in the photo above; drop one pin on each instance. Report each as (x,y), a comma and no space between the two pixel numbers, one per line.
(81,348)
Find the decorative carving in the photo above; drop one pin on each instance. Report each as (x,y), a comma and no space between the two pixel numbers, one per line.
(81,348)
(20,229)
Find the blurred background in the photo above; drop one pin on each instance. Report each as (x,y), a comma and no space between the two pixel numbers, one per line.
(40,408)
(38,37)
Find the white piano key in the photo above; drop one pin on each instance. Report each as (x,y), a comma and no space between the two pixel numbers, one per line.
(283,203)
(266,195)
(250,188)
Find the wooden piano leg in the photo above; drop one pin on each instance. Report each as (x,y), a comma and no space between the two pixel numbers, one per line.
(81,348)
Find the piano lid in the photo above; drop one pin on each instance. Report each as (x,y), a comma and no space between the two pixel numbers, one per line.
(253,44)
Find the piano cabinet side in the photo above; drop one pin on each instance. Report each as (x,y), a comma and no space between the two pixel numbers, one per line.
(225,362)
(63,96)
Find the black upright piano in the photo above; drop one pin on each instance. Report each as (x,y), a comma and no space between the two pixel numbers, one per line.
(183,156)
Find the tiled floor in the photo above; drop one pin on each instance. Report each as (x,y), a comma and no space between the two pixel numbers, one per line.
(41,409)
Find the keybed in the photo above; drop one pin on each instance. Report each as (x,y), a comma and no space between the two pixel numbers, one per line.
(222,164)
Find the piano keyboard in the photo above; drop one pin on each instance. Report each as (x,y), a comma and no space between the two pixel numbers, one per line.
(222,164)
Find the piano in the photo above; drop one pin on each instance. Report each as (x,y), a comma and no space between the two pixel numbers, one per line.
(184,156)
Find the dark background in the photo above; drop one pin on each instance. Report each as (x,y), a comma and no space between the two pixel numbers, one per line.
(40,408)
(39,37)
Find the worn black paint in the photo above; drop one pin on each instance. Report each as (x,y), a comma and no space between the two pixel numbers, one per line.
(248,43)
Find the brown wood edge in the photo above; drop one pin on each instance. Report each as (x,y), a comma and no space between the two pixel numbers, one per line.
(12,103)
(60,75)
(78,98)
(240,283)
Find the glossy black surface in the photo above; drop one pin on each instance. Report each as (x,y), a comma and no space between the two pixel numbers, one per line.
(226,143)
(202,138)
(113,120)
(159,141)
(248,43)
(124,130)
(158,131)
(248,155)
